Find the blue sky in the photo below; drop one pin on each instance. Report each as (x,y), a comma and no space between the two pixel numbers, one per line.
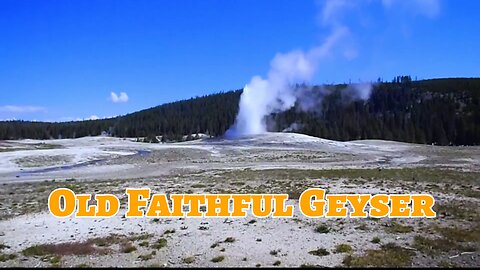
(61,60)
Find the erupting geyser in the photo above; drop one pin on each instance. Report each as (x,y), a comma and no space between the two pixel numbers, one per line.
(262,97)
(276,92)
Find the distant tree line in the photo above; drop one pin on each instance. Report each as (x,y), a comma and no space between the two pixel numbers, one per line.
(443,112)
(439,111)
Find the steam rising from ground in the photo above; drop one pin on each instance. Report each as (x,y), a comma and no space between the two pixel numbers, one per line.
(276,93)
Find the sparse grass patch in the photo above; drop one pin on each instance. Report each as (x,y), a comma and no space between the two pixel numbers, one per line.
(161,243)
(229,240)
(73,248)
(144,244)
(127,248)
(237,184)
(319,252)
(274,252)
(218,259)
(55,261)
(433,175)
(169,231)
(199,185)
(399,228)
(140,237)
(457,211)
(431,246)
(147,256)
(343,248)
(376,240)
(452,238)
(37,250)
(390,255)
(362,227)
(189,260)
(322,228)
(460,234)
(41,190)
(7,257)
(108,241)
(445,264)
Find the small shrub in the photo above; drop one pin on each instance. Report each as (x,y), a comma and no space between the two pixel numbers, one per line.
(189,260)
(322,229)
(218,259)
(128,248)
(274,252)
(144,244)
(169,231)
(229,240)
(147,256)
(161,243)
(7,257)
(55,261)
(319,252)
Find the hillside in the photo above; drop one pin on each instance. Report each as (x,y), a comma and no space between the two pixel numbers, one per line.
(439,111)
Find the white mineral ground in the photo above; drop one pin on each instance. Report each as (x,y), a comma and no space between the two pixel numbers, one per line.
(120,159)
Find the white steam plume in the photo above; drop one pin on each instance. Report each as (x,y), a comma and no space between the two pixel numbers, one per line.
(275,93)
(262,97)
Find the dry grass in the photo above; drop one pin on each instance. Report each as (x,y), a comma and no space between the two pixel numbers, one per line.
(448,239)
(127,248)
(398,228)
(390,255)
(343,248)
(72,248)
